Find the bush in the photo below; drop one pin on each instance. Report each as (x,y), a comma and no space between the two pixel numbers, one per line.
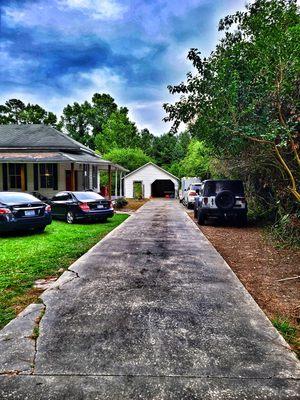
(120,202)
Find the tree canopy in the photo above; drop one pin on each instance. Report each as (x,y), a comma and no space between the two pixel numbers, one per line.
(247,90)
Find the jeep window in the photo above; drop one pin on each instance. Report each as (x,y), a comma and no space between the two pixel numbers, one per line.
(212,188)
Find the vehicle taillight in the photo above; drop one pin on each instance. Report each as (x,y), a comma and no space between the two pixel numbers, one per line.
(5,211)
(241,199)
(205,200)
(48,208)
(84,207)
(192,193)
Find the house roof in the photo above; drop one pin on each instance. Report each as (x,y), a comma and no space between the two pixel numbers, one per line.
(43,143)
(37,136)
(156,166)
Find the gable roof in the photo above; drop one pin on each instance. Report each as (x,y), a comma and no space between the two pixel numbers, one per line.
(156,166)
(37,136)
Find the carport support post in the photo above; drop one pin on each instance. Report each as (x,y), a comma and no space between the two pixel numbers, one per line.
(116,183)
(109,182)
(72,177)
(121,184)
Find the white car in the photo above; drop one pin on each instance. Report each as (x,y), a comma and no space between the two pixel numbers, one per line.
(190,193)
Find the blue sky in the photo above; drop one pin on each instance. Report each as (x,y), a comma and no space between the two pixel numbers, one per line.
(55,52)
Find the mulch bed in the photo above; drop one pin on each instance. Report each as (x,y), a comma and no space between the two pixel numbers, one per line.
(260,265)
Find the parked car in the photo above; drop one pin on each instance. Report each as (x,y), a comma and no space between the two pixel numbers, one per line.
(221,199)
(185,183)
(190,193)
(74,206)
(22,211)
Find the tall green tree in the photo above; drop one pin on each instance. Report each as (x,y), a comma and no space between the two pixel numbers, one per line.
(76,120)
(247,89)
(14,111)
(118,132)
(129,158)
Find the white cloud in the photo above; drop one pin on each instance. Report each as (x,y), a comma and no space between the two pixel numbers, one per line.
(97,9)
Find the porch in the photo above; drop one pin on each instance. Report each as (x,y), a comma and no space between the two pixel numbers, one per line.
(48,178)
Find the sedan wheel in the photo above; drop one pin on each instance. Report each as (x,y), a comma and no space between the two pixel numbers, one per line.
(70,217)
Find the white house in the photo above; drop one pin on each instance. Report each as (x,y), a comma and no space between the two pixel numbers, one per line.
(38,158)
(154,181)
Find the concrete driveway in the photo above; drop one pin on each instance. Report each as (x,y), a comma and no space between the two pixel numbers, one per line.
(151,312)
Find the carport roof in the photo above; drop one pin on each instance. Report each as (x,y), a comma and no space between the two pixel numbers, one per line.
(156,166)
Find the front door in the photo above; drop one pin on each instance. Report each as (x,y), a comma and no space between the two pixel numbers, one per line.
(68,180)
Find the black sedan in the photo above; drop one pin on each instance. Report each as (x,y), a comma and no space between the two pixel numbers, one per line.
(74,206)
(22,211)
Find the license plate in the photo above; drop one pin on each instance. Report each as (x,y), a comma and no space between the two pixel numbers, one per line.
(100,206)
(29,213)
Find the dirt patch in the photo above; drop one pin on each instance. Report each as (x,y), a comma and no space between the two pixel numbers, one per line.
(259,265)
(22,301)
(133,204)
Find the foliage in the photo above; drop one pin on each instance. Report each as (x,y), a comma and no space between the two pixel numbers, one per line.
(14,111)
(246,90)
(84,121)
(197,160)
(129,158)
(26,258)
(120,202)
(289,331)
(137,190)
(118,132)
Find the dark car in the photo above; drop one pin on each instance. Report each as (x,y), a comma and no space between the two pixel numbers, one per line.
(22,211)
(221,199)
(74,206)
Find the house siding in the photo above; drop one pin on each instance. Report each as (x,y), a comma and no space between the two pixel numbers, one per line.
(147,175)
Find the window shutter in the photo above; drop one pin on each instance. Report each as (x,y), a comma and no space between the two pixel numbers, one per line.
(5,183)
(55,177)
(36,176)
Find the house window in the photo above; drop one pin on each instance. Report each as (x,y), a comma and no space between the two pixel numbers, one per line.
(46,176)
(95,176)
(15,176)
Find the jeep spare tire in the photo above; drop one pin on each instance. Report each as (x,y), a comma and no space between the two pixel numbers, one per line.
(225,200)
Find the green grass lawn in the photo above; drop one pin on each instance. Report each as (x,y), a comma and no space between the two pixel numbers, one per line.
(24,258)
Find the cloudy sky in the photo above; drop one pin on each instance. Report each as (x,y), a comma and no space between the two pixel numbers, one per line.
(55,52)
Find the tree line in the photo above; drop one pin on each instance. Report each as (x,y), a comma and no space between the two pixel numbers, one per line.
(242,103)
(106,127)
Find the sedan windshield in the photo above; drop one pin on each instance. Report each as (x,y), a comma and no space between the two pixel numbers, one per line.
(88,196)
(13,198)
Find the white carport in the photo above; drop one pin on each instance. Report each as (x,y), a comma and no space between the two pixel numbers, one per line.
(155,182)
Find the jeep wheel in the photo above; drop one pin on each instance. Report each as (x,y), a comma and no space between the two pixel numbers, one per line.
(201,218)
(242,220)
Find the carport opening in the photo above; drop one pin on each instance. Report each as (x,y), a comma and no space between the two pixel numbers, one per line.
(163,188)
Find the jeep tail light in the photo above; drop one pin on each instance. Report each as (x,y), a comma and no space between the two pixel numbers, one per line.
(192,193)
(5,211)
(84,207)
(48,208)
(241,199)
(205,200)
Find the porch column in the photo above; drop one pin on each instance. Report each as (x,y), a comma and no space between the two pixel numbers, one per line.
(23,177)
(109,182)
(116,184)
(121,173)
(72,177)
